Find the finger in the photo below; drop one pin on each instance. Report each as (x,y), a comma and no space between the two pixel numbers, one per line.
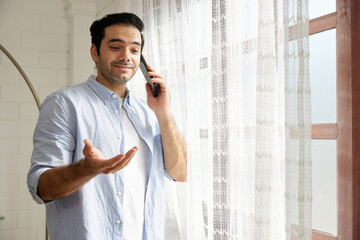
(122,164)
(155,77)
(112,162)
(154,73)
(131,152)
(148,89)
(162,88)
(157,80)
(149,92)
(129,155)
(125,161)
(88,148)
(160,82)
(119,160)
(151,68)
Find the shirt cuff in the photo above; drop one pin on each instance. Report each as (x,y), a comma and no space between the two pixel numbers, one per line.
(32,181)
(168,176)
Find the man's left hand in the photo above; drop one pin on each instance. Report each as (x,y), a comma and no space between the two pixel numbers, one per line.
(161,103)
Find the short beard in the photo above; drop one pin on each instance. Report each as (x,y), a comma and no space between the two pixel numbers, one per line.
(111,77)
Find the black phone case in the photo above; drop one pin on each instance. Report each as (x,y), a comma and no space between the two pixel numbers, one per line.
(144,70)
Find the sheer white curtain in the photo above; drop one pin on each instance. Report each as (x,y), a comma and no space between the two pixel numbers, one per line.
(238,74)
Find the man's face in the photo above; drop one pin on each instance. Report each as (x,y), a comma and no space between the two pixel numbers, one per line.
(120,52)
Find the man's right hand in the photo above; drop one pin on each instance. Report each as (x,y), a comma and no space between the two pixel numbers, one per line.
(97,163)
(60,182)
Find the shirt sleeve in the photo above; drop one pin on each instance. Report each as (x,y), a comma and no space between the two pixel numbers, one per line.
(54,140)
(168,176)
(159,142)
(159,148)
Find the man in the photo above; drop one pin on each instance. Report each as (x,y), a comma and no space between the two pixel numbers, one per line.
(92,187)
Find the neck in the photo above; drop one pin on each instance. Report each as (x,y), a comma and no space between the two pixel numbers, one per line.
(116,87)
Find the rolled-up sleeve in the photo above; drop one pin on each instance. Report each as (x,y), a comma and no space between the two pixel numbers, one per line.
(54,140)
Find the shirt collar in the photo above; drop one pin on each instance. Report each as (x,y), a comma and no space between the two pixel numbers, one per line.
(103,92)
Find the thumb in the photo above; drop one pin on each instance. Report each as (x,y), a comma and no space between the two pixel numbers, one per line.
(148,89)
(88,149)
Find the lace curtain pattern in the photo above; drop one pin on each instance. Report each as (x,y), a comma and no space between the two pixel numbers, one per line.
(238,72)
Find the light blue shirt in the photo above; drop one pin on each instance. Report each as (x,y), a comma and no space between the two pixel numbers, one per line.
(90,110)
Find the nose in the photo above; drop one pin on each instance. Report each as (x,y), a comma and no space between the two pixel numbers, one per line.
(124,55)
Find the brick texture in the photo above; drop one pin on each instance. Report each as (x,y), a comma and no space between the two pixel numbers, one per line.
(36,34)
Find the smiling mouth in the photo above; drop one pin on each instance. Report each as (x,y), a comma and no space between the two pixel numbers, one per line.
(123,67)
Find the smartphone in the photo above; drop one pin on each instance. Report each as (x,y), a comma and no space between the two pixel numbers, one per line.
(144,70)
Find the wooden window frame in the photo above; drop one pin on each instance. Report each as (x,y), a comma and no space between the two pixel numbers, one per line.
(346,131)
(323,130)
(348,118)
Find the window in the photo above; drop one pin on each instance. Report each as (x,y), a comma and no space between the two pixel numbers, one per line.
(322,48)
(336,118)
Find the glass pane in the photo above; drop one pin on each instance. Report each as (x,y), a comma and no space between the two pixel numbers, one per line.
(323,76)
(324,208)
(319,8)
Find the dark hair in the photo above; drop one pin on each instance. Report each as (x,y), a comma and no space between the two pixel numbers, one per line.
(97,29)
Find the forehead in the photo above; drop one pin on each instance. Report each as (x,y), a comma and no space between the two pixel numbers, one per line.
(122,31)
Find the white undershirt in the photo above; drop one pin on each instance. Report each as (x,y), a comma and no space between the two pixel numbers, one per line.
(134,182)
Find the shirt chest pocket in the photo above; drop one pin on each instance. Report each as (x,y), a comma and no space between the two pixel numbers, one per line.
(103,131)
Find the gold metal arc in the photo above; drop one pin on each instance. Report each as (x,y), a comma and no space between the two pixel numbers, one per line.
(22,74)
(28,82)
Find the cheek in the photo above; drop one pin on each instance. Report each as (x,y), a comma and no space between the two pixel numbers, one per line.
(107,56)
(136,61)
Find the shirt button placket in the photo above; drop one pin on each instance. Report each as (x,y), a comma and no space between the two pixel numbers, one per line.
(114,96)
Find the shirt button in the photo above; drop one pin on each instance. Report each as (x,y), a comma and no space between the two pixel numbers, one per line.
(118,193)
(114,96)
(116,111)
(117,221)
(119,137)
(106,101)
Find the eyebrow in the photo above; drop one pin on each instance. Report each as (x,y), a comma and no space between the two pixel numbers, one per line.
(122,41)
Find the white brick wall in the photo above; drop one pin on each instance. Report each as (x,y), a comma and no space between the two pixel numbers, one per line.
(9,74)
(10,38)
(20,21)
(36,33)
(9,146)
(9,165)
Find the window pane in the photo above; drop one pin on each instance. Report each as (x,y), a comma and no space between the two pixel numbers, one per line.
(319,8)
(323,76)
(324,186)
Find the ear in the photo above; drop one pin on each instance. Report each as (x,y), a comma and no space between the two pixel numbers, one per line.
(93,52)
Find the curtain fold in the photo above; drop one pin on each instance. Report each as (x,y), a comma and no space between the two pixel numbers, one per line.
(238,72)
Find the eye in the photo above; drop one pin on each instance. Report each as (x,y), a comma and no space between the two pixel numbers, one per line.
(135,50)
(114,48)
